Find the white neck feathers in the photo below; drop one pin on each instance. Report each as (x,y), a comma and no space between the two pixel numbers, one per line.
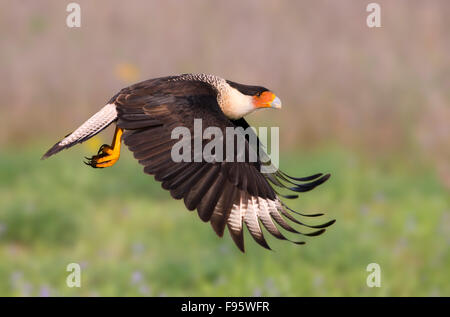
(235,104)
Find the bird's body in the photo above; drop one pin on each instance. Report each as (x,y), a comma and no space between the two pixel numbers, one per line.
(225,193)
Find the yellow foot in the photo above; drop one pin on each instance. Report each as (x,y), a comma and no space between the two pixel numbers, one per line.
(105,157)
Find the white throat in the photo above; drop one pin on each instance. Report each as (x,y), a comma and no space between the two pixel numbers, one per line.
(235,104)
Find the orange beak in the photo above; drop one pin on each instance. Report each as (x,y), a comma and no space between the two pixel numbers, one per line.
(267,100)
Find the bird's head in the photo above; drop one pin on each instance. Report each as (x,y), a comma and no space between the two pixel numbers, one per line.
(247,99)
(266,99)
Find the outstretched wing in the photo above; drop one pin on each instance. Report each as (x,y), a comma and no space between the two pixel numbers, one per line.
(224,193)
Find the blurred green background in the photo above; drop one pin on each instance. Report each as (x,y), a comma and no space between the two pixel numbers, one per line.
(369,105)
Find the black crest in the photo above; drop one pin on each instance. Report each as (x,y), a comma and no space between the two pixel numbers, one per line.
(247,89)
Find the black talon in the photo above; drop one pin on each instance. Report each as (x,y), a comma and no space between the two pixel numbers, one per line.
(100,151)
(90,161)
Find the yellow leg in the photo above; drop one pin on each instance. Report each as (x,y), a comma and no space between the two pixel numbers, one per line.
(107,155)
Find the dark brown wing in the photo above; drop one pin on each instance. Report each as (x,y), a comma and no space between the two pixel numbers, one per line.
(224,193)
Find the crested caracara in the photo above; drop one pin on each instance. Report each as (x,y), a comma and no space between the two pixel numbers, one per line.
(227,194)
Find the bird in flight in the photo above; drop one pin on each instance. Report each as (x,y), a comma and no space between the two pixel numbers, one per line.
(225,193)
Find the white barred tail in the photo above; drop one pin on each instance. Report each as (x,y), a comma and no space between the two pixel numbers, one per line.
(87,130)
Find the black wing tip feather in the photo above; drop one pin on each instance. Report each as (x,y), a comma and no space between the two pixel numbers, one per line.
(310,186)
(323,225)
(289,196)
(304,179)
(315,233)
(261,241)
(238,240)
(218,232)
(300,184)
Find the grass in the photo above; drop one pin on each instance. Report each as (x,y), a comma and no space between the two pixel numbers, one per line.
(131,239)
